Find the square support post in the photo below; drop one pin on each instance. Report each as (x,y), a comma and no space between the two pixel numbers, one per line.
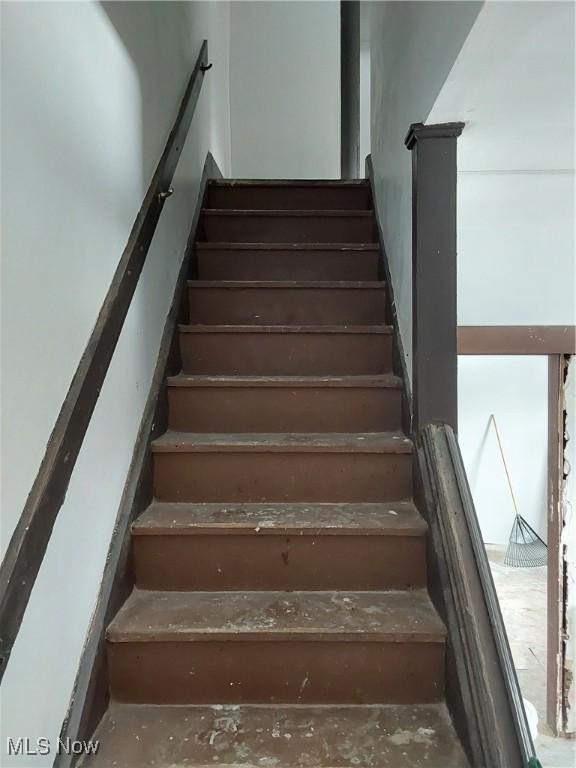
(434,321)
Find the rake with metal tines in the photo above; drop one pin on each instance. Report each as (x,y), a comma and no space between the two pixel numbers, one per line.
(525,548)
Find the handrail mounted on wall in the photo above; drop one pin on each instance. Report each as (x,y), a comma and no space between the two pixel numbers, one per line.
(30,539)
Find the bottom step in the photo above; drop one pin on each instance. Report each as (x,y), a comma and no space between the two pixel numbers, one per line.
(277,737)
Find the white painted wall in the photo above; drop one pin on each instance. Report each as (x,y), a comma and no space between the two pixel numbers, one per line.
(516,261)
(513,85)
(89,93)
(413,48)
(514,389)
(285,86)
(507,71)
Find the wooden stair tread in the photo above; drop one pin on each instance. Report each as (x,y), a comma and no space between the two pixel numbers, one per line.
(215,245)
(389,381)
(323,284)
(394,519)
(368,442)
(392,617)
(332,329)
(315,627)
(282,736)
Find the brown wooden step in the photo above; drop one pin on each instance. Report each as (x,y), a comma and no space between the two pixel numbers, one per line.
(288,194)
(281,261)
(293,647)
(266,226)
(284,403)
(288,736)
(280,547)
(282,467)
(286,303)
(288,350)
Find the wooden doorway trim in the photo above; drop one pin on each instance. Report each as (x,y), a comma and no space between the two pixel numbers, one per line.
(557,343)
(516,339)
(556,703)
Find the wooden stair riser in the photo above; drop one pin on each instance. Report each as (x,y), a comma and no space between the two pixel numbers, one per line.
(286,306)
(290,354)
(284,409)
(284,197)
(281,562)
(288,671)
(222,263)
(274,476)
(240,227)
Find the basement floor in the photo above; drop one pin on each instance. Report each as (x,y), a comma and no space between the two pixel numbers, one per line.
(522,595)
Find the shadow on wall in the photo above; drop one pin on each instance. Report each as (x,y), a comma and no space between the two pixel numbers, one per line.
(476,459)
(90,113)
(159,39)
(413,48)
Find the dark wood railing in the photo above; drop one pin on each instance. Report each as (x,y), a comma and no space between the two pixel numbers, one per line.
(30,539)
(499,735)
(481,685)
(484,683)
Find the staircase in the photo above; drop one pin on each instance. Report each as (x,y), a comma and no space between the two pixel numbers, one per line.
(280,615)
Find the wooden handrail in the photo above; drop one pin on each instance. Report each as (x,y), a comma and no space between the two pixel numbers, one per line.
(486,669)
(482,689)
(30,539)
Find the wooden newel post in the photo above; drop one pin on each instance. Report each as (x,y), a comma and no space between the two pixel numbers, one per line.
(434,322)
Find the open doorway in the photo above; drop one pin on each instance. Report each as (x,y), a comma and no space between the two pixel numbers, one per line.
(513,412)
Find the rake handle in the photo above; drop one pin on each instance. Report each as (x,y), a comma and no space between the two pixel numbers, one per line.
(493,420)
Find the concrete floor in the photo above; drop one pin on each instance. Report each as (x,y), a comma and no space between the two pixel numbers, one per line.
(522,595)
